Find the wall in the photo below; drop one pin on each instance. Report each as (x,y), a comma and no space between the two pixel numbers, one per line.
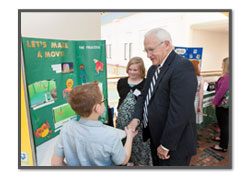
(132,29)
(65,25)
(215,47)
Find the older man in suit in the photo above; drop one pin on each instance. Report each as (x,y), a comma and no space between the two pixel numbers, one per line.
(166,105)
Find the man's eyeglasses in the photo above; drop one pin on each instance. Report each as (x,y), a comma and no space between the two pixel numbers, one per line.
(151,50)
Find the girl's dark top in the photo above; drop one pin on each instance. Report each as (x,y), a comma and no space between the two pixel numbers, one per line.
(124,88)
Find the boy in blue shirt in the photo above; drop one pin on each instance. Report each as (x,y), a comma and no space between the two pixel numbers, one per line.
(88,142)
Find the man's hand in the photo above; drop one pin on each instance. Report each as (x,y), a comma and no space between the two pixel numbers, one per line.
(213,106)
(162,154)
(199,110)
(133,124)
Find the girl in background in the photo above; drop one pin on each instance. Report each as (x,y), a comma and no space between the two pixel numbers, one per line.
(129,88)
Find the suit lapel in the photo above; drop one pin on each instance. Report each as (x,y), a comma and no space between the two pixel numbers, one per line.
(164,69)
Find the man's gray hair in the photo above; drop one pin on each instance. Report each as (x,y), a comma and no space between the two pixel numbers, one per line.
(161,34)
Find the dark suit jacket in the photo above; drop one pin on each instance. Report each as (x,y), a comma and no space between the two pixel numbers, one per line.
(171,113)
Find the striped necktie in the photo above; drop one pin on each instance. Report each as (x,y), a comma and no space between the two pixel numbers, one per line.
(150,92)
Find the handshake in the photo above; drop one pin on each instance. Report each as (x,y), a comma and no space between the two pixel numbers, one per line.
(130,132)
(131,128)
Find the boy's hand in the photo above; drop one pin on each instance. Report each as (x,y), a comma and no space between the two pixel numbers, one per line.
(133,124)
(130,132)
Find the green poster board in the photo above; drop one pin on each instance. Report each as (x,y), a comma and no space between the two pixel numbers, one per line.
(52,69)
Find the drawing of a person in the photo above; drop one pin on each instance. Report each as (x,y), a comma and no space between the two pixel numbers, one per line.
(82,73)
(99,66)
(69,84)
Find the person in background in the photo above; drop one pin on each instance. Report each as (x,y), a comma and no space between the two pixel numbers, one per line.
(199,94)
(88,142)
(129,88)
(222,114)
(166,105)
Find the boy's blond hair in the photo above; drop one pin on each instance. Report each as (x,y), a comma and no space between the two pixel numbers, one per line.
(83,98)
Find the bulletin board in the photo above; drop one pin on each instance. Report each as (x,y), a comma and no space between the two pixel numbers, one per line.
(189,53)
(52,68)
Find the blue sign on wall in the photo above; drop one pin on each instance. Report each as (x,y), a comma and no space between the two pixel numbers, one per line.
(189,53)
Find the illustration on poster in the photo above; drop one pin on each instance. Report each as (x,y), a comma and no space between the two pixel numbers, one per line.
(42,93)
(82,73)
(69,84)
(99,66)
(43,131)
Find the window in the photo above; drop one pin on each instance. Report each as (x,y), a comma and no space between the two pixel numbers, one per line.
(127,51)
(108,51)
(130,50)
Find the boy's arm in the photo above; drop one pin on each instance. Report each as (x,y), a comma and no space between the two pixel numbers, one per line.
(57,161)
(128,148)
(128,145)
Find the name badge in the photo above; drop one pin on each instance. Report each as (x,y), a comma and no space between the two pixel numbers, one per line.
(137,92)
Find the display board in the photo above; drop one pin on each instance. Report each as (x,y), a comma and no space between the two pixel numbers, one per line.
(190,53)
(52,69)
